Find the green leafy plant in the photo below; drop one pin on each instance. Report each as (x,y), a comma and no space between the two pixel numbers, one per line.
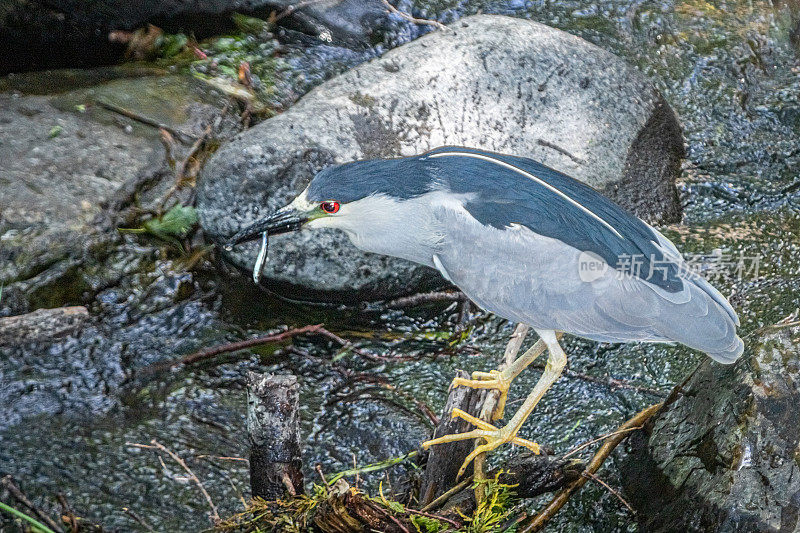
(173,225)
(426,525)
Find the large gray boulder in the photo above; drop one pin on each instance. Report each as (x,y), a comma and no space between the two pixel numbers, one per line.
(723,455)
(493,82)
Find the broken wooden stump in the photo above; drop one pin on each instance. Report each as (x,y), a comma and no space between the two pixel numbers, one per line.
(531,474)
(444,460)
(274,433)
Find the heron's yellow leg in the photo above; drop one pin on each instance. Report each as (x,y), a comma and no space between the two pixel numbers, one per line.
(501,380)
(495,437)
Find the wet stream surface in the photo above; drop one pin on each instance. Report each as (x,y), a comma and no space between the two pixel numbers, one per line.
(70,406)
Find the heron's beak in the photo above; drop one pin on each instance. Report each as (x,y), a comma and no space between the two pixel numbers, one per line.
(283,221)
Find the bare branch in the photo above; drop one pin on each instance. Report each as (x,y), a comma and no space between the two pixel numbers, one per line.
(537,522)
(406,16)
(576,449)
(16,492)
(154,444)
(208,353)
(426,297)
(610,489)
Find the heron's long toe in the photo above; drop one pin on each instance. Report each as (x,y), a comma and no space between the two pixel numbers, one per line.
(492,436)
(494,379)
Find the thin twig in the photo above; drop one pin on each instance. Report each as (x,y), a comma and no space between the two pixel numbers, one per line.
(450,492)
(374,467)
(786,322)
(392,518)
(424,298)
(67,513)
(610,489)
(367,393)
(168,142)
(614,383)
(208,353)
(576,449)
(182,135)
(155,444)
(41,528)
(349,346)
(291,9)
(538,521)
(16,492)
(385,384)
(224,458)
(318,468)
(409,18)
(138,519)
(180,170)
(564,151)
(434,516)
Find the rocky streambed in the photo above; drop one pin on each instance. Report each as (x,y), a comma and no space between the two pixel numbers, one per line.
(73,382)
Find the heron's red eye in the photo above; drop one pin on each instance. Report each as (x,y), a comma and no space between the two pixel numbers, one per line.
(329,207)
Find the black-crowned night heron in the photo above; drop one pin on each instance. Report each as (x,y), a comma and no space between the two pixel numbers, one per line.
(525,242)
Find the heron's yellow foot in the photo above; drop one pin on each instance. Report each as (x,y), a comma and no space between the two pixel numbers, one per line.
(494,379)
(493,437)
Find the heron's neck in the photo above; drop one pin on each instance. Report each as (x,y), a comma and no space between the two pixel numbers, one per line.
(407,229)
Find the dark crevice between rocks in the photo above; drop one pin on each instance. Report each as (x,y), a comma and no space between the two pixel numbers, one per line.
(654,158)
(50,34)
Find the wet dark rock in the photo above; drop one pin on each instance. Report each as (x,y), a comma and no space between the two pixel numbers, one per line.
(63,159)
(353,23)
(494,82)
(722,455)
(39,34)
(55,168)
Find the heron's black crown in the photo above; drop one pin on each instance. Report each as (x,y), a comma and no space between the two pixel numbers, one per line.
(397,178)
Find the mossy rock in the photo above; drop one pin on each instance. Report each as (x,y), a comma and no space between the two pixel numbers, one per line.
(723,454)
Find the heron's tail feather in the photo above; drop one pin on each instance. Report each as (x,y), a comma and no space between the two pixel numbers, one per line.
(729,355)
(735,348)
(705,321)
(717,297)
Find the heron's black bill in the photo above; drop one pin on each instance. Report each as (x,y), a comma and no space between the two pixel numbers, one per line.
(277,223)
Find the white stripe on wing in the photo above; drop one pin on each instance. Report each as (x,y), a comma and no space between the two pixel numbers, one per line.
(534,178)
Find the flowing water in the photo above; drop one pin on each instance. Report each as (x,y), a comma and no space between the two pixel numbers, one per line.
(72,406)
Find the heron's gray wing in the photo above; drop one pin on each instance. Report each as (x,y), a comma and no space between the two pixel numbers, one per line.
(671,250)
(529,278)
(692,317)
(505,190)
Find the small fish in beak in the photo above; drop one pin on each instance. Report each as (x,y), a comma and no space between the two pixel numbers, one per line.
(261,260)
(282,221)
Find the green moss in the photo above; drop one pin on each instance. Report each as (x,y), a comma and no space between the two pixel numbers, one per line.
(364,100)
(243,65)
(298,513)
(495,508)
